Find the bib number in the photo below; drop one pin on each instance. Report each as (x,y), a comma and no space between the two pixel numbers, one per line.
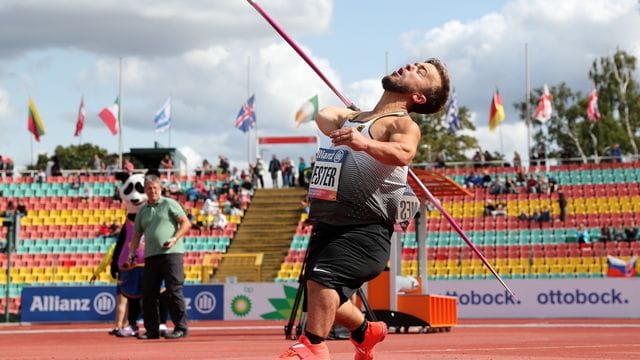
(326,174)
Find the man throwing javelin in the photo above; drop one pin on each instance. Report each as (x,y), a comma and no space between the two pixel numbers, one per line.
(355,191)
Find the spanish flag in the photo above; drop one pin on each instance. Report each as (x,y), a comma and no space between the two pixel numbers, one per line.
(496,115)
(34,123)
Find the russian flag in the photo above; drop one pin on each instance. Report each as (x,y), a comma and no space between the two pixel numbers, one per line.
(619,268)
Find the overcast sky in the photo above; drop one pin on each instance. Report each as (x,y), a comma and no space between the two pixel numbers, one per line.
(209,55)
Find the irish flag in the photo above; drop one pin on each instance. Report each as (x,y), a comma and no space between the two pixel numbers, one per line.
(308,111)
(496,114)
(34,123)
(110,116)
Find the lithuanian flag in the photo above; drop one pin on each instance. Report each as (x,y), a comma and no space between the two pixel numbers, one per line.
(34,123)
(496,114)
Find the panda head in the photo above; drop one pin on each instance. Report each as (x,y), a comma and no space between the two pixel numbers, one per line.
(132,191)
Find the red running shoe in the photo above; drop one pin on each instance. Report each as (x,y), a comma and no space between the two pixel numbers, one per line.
(375,333)
(305,350)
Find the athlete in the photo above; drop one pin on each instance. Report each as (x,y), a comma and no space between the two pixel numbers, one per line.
(355,191)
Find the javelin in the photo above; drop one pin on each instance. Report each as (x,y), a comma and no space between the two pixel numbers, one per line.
(350,105)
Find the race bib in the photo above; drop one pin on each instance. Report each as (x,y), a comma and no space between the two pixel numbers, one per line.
(326,174)
(409,206)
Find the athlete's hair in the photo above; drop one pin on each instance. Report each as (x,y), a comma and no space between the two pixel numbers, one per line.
(436,95)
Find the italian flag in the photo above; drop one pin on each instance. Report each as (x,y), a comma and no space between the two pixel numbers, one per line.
(110,116)
(34,123)
(308,111)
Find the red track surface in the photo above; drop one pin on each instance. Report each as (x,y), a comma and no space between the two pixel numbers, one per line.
(472,339)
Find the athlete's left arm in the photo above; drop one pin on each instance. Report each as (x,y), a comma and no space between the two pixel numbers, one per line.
(397,149)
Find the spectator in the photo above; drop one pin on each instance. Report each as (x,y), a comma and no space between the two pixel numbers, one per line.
(606,233)
(193,194)
(532,185)
(521,178)
(285,172)
(87,193)
(486,179)
(207,168)
(631,234)
(541,154)
(212,192)
(441,159)
(535,217)
(501,210)
(274,168)
(96,164)
(223,165)
(174,188)
(41,177)
(112,167)
(562,202)
(7,164)
(497,187)
(302,166)
(10,209)
(545,215)
(166,166)
(489,208)
(543,185)
(56,168)
(247,186)
(115,198)
(582,235)
(478,159)
(217,221)
(259,171)
(517,161)
(210,207)
(128,165)
(75,182)
(470,180)
(616,153)
(21,208)
(510,186)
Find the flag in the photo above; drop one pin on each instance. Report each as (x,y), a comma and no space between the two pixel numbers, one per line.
(451,117)
(308,111)
(593,114)
(246,116)
(496,115)
(81,115)
(543,112)
(34,123)
(163,117)
(110,115)
(619,268)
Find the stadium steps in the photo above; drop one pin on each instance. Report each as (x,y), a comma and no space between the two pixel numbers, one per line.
(267,226)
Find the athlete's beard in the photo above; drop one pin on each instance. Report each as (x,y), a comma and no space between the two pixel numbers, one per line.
(393,85)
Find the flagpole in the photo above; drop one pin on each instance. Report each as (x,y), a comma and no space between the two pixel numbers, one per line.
(170,124)
(248,95)
(120,115)
(527,99)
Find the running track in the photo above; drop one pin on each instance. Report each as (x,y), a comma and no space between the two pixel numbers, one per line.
(248,340)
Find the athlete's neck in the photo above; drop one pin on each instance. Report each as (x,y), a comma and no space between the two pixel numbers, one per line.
(390,102)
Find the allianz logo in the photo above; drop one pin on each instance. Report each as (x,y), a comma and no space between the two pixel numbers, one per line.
(103,303)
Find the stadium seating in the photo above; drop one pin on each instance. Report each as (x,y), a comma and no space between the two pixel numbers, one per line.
(600,194)
(59,241)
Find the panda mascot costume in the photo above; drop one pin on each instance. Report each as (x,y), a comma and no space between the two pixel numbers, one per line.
(130,275)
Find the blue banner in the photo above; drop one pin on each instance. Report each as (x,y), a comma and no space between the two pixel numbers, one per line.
(98,303)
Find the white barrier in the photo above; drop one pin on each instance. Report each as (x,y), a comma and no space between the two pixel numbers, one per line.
(548,298)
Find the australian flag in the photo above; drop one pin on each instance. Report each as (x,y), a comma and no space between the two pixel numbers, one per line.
(246,117)
(451,118)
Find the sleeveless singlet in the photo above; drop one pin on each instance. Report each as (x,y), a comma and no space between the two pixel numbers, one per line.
(351,187)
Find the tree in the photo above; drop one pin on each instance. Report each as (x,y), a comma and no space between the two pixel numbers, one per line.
(436,136)
(74,157)
(618,92)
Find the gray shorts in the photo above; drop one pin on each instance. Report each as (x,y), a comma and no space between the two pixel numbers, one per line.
(345,257)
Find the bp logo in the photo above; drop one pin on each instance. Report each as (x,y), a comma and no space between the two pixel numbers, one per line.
(338,156)
(205,302)
(241,305)
(104,303)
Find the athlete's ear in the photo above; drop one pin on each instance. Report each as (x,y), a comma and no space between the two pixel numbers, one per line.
(419,98)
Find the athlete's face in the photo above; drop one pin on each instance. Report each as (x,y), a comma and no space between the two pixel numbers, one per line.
(410,78)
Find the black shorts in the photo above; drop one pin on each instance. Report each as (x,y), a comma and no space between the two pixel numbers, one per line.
(345,257)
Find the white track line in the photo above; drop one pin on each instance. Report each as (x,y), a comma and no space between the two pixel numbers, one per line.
(59,330)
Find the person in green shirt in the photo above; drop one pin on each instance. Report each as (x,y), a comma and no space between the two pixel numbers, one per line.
(163,222)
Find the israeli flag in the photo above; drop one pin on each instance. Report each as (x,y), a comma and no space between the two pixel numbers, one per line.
(163,117)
